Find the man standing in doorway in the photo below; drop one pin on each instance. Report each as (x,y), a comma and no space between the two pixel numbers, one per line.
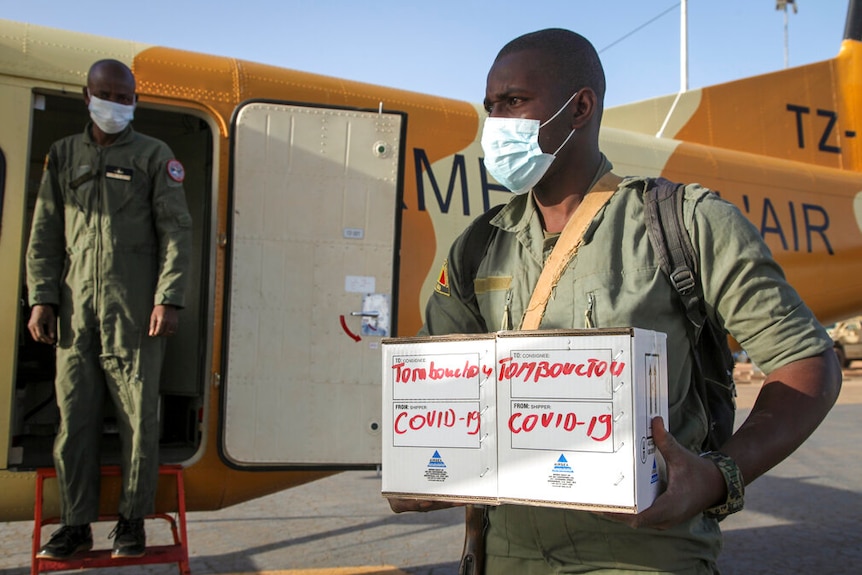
(107,266)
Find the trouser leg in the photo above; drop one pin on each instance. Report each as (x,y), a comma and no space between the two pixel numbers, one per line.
(133,381)
(80,388)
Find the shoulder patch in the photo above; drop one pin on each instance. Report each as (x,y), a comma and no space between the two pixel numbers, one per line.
(442,286)
(176,171)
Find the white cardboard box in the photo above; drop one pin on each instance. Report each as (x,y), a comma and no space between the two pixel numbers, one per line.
(439,418)
(563,418)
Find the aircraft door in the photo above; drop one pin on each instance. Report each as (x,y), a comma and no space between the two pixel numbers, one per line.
(15,117)
(316,198)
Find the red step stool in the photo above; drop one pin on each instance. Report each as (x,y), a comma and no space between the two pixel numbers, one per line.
(177,553)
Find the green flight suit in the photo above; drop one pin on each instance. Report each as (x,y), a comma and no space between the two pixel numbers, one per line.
(110,238)
(615,281)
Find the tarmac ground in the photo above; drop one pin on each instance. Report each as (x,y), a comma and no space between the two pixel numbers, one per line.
(804,516)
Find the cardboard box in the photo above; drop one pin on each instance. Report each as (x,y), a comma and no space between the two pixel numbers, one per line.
(574,412)
(563,418)
(439,423)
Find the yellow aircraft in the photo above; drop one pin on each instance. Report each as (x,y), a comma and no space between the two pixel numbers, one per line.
(323,209)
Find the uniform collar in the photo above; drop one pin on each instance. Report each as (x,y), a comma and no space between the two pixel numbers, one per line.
(521,209)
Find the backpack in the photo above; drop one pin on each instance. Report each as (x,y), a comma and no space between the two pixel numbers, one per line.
(713,373)
(663,211)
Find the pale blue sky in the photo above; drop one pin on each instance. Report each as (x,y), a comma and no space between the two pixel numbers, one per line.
(445,47)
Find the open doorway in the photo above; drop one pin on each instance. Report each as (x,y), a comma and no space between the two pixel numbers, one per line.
(35,415)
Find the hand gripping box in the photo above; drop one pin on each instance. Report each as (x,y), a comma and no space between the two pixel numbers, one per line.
(439,418)
(573,418)
(551,418)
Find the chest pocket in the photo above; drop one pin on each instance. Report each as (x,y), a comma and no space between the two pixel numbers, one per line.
(494,293)
(126,187)
(78,184)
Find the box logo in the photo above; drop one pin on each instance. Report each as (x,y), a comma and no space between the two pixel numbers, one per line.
(436,470)
(562,474)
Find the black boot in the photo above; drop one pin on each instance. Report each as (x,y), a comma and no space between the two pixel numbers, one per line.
(130,540)
(67,541)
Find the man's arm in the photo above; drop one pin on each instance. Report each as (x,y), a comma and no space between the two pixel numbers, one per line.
(173,225)
(453,307)
(793,401)
(749,295)
(46,255)
(46,251)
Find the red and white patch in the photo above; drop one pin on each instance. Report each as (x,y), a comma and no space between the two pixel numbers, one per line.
(442,286)
(176,171)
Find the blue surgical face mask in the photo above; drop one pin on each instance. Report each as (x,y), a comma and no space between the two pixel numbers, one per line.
(111,117)
(512,152)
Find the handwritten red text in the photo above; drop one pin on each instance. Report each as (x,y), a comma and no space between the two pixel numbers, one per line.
(536,371)
(405,422)
(598,427)
(436,373)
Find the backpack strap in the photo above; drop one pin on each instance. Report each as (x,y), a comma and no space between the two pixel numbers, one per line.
(566,247)
(713,363)
(673,247)
(477,239)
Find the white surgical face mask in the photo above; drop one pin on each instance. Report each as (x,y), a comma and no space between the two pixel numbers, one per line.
(111,117)
(512,152)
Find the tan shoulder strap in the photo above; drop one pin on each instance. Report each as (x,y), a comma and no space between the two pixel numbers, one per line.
(566,247)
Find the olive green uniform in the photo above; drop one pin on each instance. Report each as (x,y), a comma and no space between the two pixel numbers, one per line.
(111,238)
(615,281)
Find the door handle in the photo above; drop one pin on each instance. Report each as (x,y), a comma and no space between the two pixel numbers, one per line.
(365,313)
